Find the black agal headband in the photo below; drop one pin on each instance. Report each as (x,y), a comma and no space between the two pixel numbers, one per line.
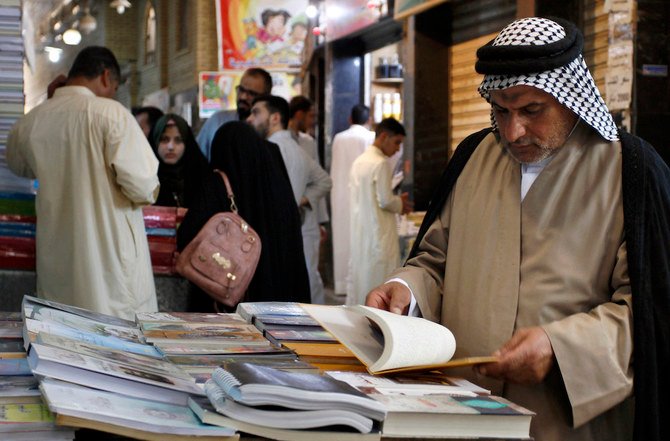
(520,55)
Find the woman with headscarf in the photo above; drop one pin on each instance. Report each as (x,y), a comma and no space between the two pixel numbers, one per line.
(265,200)
(182,164)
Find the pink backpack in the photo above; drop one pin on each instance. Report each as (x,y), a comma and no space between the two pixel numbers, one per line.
(222,258)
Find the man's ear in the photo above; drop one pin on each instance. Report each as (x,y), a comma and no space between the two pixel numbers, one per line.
(106,78)
(275,119)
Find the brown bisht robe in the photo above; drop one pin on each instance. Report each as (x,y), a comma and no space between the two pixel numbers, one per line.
(491,264)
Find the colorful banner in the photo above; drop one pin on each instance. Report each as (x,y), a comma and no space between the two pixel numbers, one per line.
(216,90)
(262,33)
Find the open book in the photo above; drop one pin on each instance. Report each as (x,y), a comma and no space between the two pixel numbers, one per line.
(385,342)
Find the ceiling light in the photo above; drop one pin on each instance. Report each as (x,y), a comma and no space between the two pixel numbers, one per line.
(120,5)
(53,53)
(72,37)
(87,23)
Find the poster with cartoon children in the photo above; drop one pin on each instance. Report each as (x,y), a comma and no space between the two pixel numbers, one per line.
(263,33)
(217,89)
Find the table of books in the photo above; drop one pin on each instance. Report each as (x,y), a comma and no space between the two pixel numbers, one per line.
(270,371)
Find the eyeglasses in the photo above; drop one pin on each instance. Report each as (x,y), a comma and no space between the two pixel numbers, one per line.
(240,90)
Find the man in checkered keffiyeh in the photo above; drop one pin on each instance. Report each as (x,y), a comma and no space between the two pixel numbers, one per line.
(539,243)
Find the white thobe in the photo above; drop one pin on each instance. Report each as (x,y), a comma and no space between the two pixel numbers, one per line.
(375,251)
(96,170)
(311,231)
(308,180)
(347,146)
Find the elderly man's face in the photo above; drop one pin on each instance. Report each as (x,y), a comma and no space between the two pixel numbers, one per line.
(533,124)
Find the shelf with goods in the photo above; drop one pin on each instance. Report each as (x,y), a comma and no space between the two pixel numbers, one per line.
(386,80)
(11,87)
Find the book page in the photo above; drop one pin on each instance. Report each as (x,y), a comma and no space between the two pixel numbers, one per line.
(351,328)
(409,341)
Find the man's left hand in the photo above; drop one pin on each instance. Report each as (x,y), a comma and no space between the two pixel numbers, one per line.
(526,358)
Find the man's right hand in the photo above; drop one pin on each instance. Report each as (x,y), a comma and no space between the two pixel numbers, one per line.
(393,296)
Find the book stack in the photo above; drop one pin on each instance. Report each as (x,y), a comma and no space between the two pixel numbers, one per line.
(91,366)
(11,88)
(17,230)
(285,405)
(12,354)
(202,334)
(199,342)
(161,224)
(22,413)
(289,325)
(430,405)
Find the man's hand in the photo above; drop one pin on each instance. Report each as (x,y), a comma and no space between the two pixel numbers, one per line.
(407,205)
(393,296)
(59,81)
(525,359)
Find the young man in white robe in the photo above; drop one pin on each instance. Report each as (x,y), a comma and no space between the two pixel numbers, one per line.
(375,250)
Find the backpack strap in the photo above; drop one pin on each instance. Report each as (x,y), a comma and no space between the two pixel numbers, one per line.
(229,189)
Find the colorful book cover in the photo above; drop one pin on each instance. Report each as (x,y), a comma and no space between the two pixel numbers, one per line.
(47,314)
(95,316)
(51,362)
(285,320)
(143,318)
(156,328)
(159,366)
(250,310)
(34,327)
(216,348)
(25,414)
(209,335)
(107,407)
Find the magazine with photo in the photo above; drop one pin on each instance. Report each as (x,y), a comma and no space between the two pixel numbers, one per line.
(66,399)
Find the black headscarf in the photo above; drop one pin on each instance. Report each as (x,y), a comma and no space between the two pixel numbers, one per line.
(178,181)
(265,200)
